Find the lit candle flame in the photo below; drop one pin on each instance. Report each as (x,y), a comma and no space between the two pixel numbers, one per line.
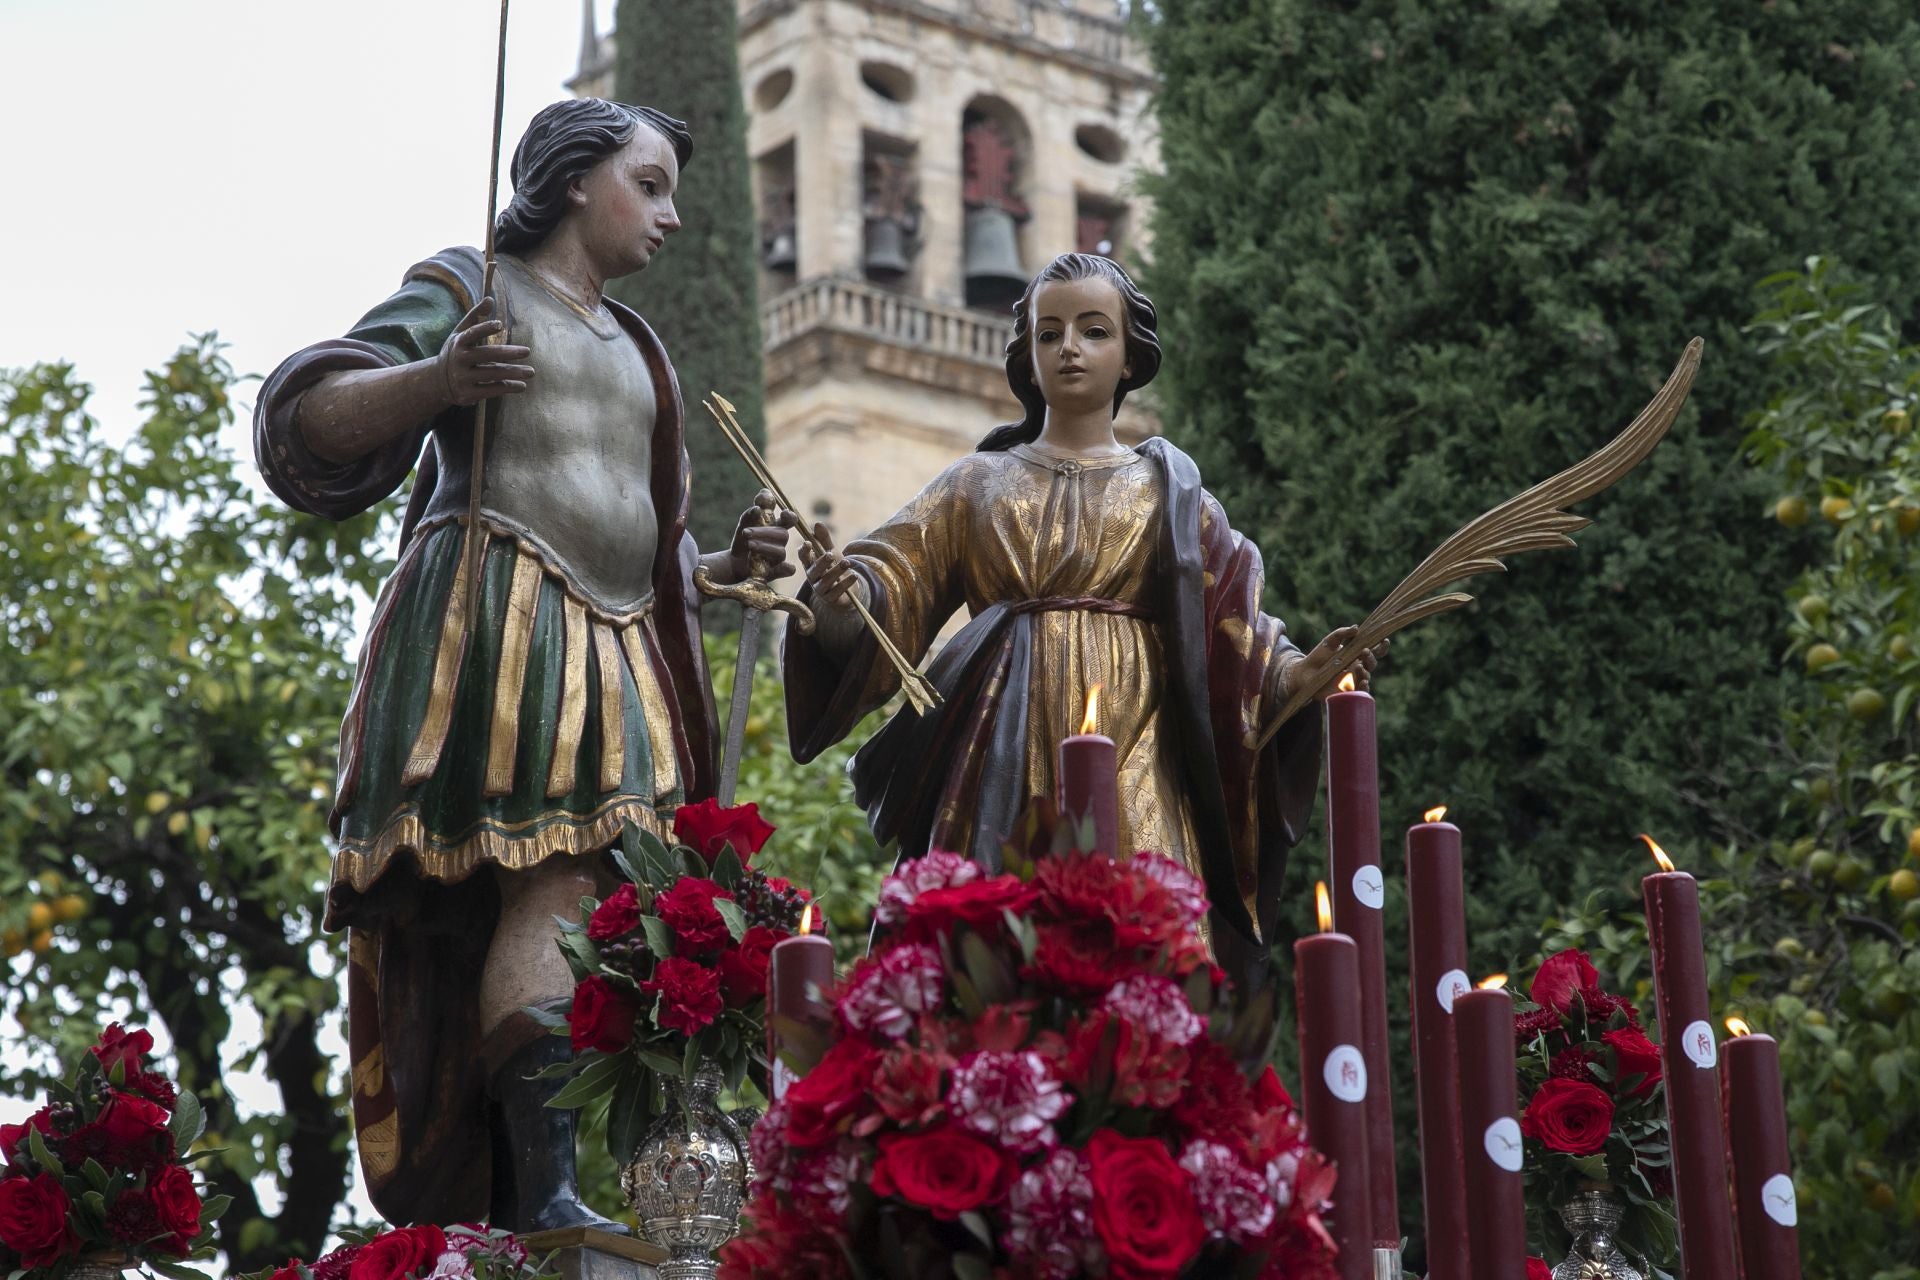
(1347,684)
(1436,813)
(1323,903)
(1090,723)
(1659,854)
(806,919)
(1496,982)
(1738,1027)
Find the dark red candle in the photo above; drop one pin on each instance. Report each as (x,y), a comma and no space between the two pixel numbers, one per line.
(1087,780)
(1765,1208)
(1333,1080)
(1437,931)
(1490,1134)
(1688,1055)
(800,991)
(1359,893)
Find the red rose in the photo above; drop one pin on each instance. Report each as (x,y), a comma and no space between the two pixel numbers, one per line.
(743,970)
(619,914)
(1143,1208)
(130,1131)
(289,1272)
(977,904)
(398,1254)
(13,1137)
(946,1171)
(1537,1269)
(706,828)
(907,1085)
(602,1016)
(33,1219)
(689,994)
(1633,1055)
(1569,1115)
(1561,978)
(122,1048)
(176,1203)
(689,911)
(833,1091)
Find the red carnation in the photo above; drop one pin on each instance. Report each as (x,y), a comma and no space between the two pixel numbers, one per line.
(1561,978)
(1269,1094)
(1634,1055)
(828,1095)
(1086,886)
(1215,1103)
(1079,957)
(134,1219)
(688,910)
(906,1085)
(1537,1269)
(782,1243)
(618,915)
(1569,1115)
(946,1171)
(743,969)
(977,904)
(33,1219)
(602,1016)
(122,1048)
(398,1254)
(1143,1207)
(1531,1023)
(176,1203)
(707,828)
(689,994)
(1140,1070)
(1570,1064)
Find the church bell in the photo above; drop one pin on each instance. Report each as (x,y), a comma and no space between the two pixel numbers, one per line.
(780,250)
(994,276)
(886,257)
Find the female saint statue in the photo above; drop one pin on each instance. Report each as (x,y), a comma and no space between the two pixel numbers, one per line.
(1081,562)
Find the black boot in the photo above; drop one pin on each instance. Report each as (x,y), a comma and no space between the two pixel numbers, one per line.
(533,1147)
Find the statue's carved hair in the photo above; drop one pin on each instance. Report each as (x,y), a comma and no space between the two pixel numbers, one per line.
(1143,344)
(562,144)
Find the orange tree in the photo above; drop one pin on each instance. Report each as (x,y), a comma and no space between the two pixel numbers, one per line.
(1812,922)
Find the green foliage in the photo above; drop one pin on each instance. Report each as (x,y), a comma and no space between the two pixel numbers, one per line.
(1411,258)
(701,294)
(171,681)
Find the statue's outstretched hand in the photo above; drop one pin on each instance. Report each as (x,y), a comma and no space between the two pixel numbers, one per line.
(471,370)
(829,573)
(1332,657)
(759,547)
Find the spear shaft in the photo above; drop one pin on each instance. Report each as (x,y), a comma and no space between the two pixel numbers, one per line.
(476,538)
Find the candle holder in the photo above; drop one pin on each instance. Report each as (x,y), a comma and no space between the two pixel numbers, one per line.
(1386,1265)
(1593,1216)
(689,1178)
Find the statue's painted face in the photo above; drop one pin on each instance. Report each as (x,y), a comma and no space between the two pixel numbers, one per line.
(1079,343)
(627,202)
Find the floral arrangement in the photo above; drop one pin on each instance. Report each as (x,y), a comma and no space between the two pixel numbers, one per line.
(469,1251)
(98,1171)
(1593,1109)
(1037,1074)
(671,969)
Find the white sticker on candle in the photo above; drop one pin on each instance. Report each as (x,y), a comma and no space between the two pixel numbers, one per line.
(1453,985)
(1370,887)
(1781,1203)
(1698,1044)
(1346,1074)
(1503,1144)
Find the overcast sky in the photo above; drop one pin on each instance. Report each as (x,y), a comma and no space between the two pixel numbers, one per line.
(263,168)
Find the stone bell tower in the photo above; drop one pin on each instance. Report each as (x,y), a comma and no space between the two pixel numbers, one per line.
(914,163)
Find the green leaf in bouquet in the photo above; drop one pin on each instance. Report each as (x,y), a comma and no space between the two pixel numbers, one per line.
(971,1266)
(661,867)
(968,995)
(582,957)
(663,1063)
(736,918)
(595,1080)
(189,1121)
(802,1044)
(973,1220)
(173,1270)
(690,1062)
(689,862)
(627,1118)
(214,1208)
(37,1148)
(92,1208)
(659,936)
(96,1176)
(627,854)
(991,975)
(587,907)
(727,868)
(737,1072)
(1023,933)
(1199,990)
(546,1017)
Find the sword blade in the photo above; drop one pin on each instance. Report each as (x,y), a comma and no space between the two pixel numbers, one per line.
(737,710)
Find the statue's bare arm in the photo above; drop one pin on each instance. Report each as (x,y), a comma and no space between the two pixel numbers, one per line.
(348,415)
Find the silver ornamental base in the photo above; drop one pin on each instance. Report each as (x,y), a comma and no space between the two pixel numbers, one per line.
(1594,1217)
(97,1268)
(689,1178)
(1386,1264)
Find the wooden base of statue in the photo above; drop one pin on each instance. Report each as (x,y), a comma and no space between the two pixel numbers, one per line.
(582,1253)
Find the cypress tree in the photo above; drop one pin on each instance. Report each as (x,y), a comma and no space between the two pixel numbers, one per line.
(1413,257)
(701,294)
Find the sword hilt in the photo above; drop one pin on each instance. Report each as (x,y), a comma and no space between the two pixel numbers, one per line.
(755,593)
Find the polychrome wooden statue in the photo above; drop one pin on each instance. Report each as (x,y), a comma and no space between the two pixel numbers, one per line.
(501,731)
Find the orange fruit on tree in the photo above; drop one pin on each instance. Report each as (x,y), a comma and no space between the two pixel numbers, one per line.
(1821,655)
(1904,884)
(1907,517)
(1913,844)
(1865,704)
(1834,508)
(39,917)
(1791,511)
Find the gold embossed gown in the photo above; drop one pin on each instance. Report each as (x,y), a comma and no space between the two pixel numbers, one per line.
(1118,571)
